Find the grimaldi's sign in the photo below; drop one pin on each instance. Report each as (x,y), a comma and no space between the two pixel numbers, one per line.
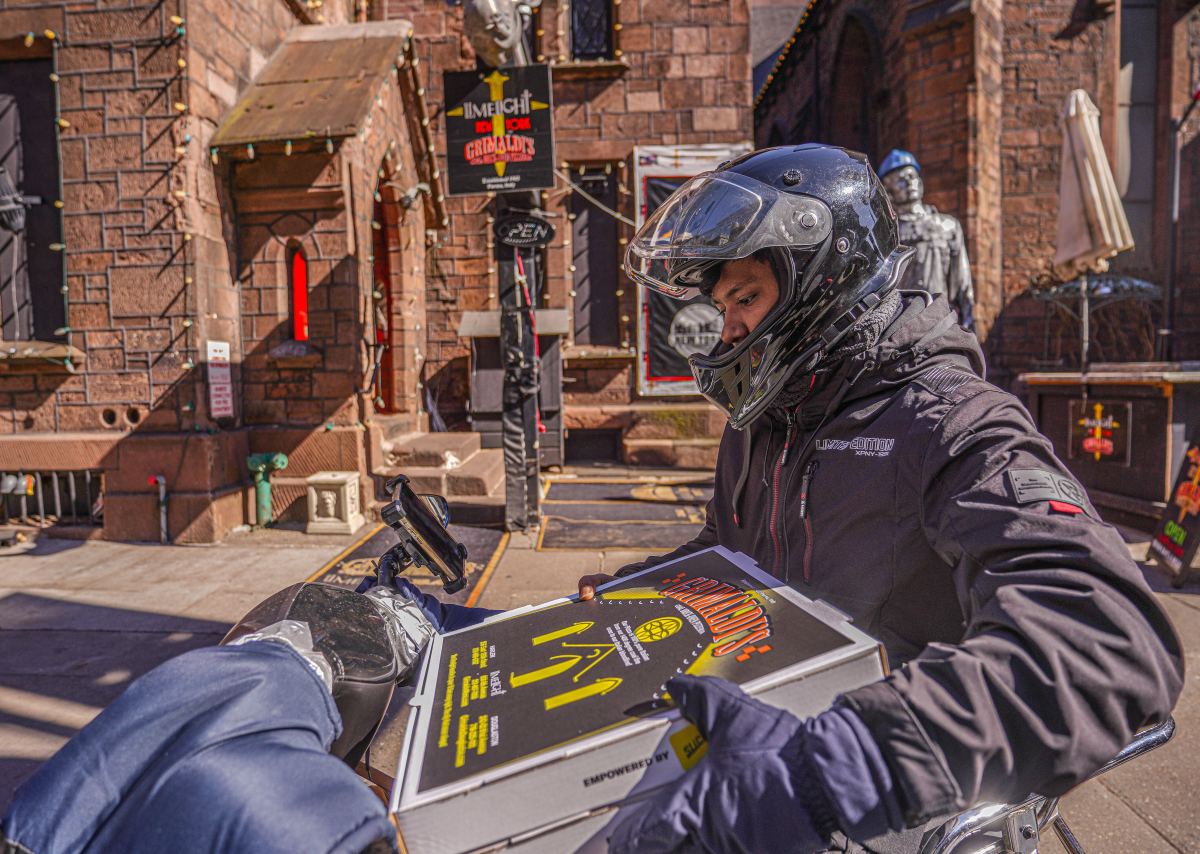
(499,134)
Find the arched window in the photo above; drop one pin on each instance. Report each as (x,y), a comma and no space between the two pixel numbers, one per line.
(297,267)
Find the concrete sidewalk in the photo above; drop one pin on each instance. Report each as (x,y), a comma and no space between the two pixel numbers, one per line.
(79,620)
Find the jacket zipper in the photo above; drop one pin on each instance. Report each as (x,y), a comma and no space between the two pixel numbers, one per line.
(805,482)
(779,463)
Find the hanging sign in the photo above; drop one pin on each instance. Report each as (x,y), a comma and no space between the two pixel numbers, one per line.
(499,130)
(1100,430)
(1178,535)
(220,380)
(523,230)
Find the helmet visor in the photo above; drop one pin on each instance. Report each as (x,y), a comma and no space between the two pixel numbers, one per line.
(719,216)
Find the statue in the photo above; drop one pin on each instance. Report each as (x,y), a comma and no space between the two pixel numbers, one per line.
(941,265)
(496,30)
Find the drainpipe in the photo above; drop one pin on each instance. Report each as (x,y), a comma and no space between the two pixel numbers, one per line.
(162,506)
(261,465)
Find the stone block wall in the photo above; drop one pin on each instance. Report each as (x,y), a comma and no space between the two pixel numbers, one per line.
(933,88)
(1047,53)
(682,76)
(1183,78)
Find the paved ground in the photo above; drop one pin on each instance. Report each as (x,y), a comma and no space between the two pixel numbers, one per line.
(78,621)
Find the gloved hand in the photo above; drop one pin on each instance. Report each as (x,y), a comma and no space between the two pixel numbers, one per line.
(445,618)
(409,628)
(754,790)
(769,782)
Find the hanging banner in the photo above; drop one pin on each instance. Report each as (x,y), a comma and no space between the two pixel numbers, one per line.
(499,130)
(670,330)
(1177,538)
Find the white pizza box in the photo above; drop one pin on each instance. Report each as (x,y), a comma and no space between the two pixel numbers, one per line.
(533,729)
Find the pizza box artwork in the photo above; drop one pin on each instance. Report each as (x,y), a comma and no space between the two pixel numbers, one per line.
(531,730)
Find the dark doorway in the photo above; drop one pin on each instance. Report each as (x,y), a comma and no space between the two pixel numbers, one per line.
(31,256)
(594,256)
(382,298)
(855,79)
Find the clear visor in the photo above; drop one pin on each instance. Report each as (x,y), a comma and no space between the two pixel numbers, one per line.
(719,216)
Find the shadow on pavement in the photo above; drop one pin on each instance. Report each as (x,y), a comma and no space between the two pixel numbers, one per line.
(62,662)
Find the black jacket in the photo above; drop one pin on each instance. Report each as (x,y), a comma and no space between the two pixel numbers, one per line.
(922,502)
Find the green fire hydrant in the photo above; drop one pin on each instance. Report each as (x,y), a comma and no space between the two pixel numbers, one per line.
(261,465)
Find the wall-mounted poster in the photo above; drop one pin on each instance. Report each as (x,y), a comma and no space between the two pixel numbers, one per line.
(1100,430)
(499,130)
(670,330)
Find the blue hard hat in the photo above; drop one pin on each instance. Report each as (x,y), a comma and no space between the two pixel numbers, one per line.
(896,159)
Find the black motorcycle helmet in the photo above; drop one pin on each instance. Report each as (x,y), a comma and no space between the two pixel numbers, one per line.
(819,215)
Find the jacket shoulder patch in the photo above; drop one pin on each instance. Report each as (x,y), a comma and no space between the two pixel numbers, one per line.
(945,380)
(1033,485)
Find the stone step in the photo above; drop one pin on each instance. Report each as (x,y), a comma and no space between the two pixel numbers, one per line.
(482,474)
(676,453)
(481,510)
(429,449)
(650,420)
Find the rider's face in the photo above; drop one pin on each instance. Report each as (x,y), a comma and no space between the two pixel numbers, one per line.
(745,293)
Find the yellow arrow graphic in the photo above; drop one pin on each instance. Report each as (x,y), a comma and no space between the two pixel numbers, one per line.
(600,686)
(573,629)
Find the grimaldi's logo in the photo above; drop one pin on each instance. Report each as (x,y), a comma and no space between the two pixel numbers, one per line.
(1098,432)
(503,125)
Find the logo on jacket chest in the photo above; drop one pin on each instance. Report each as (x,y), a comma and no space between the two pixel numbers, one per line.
(862,446)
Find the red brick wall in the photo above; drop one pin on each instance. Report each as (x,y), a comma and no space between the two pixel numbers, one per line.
(1185,80)
(688,81)
(934,89)
(1047,53)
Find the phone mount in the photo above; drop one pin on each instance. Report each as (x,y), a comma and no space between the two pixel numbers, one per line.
(420,523)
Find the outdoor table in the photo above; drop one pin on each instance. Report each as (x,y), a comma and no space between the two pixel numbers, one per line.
(1122,429)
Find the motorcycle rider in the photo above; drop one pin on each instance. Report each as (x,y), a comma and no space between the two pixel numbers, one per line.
(867,463)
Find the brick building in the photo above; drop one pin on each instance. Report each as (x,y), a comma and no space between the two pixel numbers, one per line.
(975,90)
(223,217)
(236,240)
(624,75)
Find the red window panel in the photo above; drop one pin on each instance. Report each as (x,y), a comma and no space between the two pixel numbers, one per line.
(299,288)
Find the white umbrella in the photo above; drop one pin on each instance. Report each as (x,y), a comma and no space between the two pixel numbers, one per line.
(1091,220)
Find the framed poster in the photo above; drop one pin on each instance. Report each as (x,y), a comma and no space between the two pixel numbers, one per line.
(1099,430)
(670,330)
(499,130)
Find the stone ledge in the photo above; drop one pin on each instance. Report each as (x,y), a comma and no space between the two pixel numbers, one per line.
(589,69)
(42,356)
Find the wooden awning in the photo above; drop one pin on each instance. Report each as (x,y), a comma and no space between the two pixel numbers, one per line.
(318,84)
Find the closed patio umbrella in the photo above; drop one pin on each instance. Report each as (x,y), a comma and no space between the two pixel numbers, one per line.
(1091,220)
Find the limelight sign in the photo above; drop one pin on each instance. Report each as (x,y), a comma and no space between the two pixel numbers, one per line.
(499,137)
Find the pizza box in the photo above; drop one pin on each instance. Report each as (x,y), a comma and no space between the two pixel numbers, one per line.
(532,730)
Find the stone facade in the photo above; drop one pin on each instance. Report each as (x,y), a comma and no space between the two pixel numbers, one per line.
(975,91)
(679,75)
(171,244)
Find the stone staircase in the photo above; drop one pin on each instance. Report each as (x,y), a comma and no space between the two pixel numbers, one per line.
(453,465)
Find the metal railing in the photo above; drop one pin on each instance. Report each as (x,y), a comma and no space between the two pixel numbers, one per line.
(45,498)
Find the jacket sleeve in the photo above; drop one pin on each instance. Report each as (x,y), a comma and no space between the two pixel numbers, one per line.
(707,538)
(1065,650)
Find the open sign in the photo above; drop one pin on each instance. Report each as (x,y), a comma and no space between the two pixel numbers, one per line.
(524,230)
